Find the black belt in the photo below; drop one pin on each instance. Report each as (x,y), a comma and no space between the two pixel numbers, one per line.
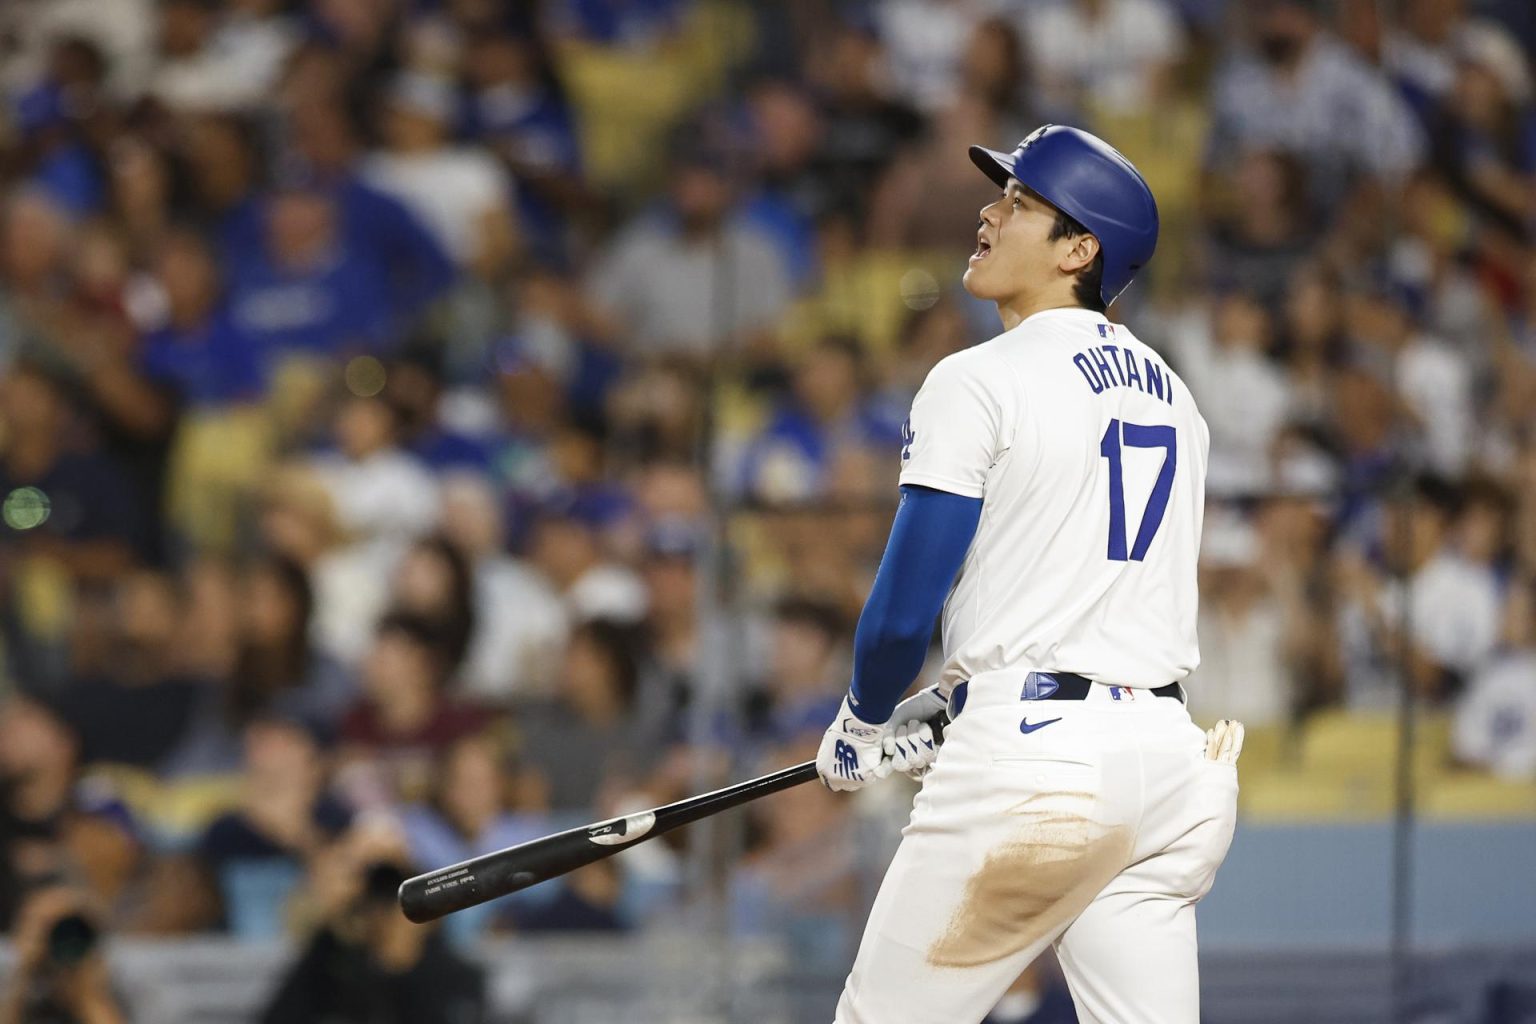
(1071,686)
(1058,686)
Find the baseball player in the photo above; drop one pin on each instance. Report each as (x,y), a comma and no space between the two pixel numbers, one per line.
(1052,493)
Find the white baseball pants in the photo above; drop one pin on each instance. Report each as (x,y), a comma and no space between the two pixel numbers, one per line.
(1093,825)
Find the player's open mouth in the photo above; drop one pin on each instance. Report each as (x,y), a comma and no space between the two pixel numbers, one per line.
(982,248)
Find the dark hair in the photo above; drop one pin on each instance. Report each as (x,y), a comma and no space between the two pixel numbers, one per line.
(262,673)
(423,634)
(818,615)
(617,644)
(1089,287)
(454,622)
(1439,494)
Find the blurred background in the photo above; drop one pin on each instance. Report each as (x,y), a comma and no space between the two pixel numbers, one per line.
(426,424)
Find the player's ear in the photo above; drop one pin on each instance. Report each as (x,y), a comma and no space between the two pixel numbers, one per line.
(1080,255)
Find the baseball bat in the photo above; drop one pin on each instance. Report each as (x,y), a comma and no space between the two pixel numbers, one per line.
(472,882)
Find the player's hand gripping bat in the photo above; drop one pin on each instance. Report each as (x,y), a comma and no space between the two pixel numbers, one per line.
(472,882)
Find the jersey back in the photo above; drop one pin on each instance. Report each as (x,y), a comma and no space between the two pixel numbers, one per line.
(1089,456)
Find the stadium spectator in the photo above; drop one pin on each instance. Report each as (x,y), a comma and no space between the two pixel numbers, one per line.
(198,354)
(1434,380)
(1244,396)
(1244,672)
(79,507)
(517,108)
(52,826)
(462,195)
(405,718)
(1453,608)
(933,187)
(693,278)
(515,648)
(864,126)
(924,48)
(273,670)
(61,976)
(800,875)
(473,809)
(365,963)
(1109,54)
(812,431)
(1495,725)
(57,119)
(325,141)
(1428,39)
(1261,226)
(207,63)
(567,548)
(305,288)
(1482,132)
(582,748)
(248,861)
(381,491)
(1304,92)
(432,582)
(131,701)
(803,676)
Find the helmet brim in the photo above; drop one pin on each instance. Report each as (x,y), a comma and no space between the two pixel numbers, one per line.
(995,165)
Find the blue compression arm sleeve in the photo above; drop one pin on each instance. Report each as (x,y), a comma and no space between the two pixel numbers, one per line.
(929,539)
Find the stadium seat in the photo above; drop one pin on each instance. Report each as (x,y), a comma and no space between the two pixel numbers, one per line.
(1286,794)
(218,460)
(173,812)
(1357,745)
(1466,795)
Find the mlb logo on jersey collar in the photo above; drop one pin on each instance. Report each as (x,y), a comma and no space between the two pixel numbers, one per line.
(1121,693)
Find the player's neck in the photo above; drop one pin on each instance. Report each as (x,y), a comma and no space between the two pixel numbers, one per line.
(1021,307)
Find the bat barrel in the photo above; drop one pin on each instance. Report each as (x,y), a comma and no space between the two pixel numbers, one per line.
(460,886)
(430,896)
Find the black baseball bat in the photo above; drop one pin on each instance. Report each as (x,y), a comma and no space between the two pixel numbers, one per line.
(472,882)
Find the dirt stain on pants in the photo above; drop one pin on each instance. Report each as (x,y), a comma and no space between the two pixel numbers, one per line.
(1032,886)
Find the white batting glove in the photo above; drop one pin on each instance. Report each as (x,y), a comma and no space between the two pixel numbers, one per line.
(852,753)
(1224,741)
(909,739)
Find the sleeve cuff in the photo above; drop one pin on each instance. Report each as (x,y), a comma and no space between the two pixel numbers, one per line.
(940,483)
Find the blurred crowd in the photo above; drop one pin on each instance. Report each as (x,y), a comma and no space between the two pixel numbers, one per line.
(427,423)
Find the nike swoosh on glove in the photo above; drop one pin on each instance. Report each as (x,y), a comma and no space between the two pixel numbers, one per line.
(852,753)
(909,739)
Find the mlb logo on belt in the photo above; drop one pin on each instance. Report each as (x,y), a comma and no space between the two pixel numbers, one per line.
(1121,693)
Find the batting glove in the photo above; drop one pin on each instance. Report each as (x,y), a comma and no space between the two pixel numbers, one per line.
(852,753)
(1224,741)
(909,740)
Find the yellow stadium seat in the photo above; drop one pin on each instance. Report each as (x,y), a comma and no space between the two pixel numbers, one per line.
(219,457)
(1360,745)
(1465,795)
(1288,795)
(627,99)
(175,811)
(1266,748)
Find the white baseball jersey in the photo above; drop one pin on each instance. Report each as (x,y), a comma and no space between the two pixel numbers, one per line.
(1090,825)
(1089,456)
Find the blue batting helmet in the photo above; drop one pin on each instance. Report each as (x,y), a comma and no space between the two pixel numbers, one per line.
(1087,179)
